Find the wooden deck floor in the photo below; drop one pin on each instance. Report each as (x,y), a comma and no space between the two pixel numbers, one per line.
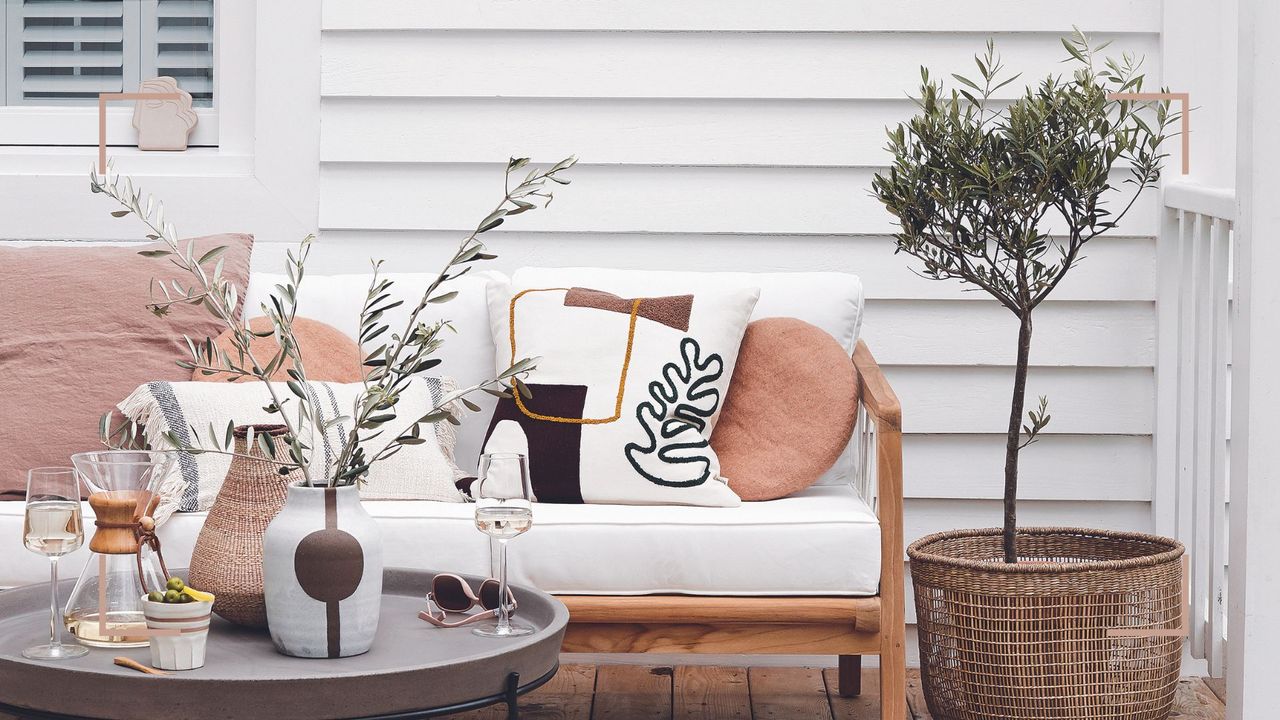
(631,692)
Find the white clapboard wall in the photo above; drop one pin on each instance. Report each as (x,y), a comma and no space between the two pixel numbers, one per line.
(720,135)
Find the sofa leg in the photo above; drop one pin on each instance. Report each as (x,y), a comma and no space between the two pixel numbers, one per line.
(893,681)
(850,675)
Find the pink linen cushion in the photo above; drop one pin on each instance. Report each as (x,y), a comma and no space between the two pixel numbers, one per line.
(327,352)
(790,410)
(77,337)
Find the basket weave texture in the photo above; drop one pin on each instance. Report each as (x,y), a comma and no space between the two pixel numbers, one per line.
(227,560)
(1029,640)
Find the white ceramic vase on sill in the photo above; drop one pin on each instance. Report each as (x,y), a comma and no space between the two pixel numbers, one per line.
(322,574)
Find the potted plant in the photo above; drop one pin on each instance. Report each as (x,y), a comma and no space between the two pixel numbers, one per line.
(1033,622)
(322,554)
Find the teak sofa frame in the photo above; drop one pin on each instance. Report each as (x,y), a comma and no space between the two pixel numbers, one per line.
(849,627)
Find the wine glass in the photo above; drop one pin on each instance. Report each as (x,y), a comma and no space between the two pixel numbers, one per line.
(53,528)
(504,509)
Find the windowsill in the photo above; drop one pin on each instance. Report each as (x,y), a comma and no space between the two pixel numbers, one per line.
(196,162)
(53,126)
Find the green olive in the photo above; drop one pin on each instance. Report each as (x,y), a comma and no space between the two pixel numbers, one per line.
(171,596)
(175,583)
(155,596)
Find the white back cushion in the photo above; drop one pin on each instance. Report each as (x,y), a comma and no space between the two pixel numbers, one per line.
(466,355)
(832,301)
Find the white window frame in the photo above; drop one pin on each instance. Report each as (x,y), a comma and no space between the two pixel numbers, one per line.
(262,178)
(63,125)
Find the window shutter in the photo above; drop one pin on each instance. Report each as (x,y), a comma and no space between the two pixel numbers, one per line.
(177,41)
(68,51)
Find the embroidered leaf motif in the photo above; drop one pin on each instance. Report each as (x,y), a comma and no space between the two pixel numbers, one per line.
(676,453)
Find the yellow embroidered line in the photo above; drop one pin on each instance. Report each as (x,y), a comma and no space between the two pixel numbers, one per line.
(622,378)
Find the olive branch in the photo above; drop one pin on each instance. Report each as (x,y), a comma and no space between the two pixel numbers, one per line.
(387,370)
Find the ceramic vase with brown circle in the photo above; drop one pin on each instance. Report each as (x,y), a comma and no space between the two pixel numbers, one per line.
(227,560)
(322,572)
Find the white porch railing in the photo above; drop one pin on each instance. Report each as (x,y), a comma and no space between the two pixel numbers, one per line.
(1192,366)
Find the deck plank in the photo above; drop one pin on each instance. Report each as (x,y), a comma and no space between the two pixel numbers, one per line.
(1218,686)
(632,692)
(1193,700)
(864,707)
(915,696)
(711,693)
(788,693)
(624,692)
(567,696)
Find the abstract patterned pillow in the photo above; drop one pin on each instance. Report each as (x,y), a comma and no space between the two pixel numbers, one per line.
(625,394)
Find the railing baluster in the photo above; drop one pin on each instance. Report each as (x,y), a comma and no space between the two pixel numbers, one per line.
(1221,273)
(1169,290)
(1203,428)
(1187,397)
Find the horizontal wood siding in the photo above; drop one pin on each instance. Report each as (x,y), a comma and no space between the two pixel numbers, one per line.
(735,16)
(720,136)
(640,64)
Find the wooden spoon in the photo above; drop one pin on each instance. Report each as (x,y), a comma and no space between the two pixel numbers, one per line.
(135,665)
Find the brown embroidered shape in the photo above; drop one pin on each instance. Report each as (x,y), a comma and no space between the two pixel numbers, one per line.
(555,449)
(671,310)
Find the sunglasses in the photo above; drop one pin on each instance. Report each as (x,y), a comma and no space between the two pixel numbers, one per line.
(451,594)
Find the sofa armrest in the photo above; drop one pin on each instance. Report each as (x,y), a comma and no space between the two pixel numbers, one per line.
(882,407)
(874,391)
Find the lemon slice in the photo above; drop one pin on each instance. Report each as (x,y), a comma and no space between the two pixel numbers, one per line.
(198,595)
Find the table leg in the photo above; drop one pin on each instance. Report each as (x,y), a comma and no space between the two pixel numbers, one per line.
(513,698)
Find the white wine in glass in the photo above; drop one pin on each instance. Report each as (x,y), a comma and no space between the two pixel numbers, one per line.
(503,521)
(504,510)
(53,527)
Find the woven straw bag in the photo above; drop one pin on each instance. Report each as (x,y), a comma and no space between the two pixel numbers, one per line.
(227,560)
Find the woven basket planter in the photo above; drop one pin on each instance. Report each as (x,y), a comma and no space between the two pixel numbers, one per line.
(1030,640)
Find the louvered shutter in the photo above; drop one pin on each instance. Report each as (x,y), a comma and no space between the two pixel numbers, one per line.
(67,51)
(177,40)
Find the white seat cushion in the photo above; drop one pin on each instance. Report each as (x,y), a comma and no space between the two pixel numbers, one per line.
(823,541)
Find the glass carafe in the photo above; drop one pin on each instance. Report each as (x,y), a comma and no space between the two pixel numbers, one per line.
(105,608)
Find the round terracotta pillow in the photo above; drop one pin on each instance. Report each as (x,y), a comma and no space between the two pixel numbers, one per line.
(328,354)
(790,409)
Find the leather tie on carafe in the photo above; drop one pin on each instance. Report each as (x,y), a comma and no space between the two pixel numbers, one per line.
(144,535)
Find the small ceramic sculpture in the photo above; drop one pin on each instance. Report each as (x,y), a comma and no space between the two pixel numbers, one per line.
(163,124)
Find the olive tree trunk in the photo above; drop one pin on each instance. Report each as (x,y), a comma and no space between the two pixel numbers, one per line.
(1015,440)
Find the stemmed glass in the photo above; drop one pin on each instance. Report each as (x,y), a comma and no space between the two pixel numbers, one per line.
(53,527)
(504,509)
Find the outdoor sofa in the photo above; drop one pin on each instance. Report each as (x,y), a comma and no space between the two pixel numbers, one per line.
(817,573)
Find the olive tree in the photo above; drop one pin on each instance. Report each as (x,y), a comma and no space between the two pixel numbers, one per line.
(1004,196)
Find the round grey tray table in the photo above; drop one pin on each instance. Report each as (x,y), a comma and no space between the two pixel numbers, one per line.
(415,670)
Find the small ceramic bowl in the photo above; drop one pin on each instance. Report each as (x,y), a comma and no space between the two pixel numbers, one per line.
(181,633)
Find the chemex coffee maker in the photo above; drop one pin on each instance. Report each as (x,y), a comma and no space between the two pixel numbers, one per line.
(105,608)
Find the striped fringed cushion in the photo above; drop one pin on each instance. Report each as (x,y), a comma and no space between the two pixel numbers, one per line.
(192,410)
